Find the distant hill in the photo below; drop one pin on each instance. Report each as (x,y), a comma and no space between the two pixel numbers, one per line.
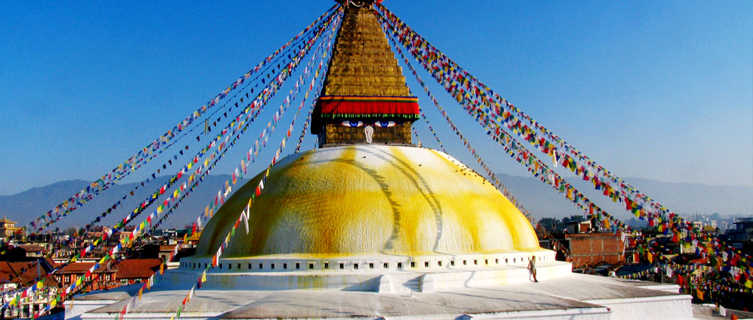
(683,198)
(538,198)
(24,206)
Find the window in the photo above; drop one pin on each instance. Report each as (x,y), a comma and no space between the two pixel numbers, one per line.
(412,264)
(342,266)
(249,266)
(371,265)
(426,264)
(326,265)
(355,266)
(285,266)
(475,261)
(311,266)
(297,265)
(399,265)
(272,266)
(386,265)
(261,266)
(439,263)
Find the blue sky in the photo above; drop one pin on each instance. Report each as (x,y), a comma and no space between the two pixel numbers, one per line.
(652,89)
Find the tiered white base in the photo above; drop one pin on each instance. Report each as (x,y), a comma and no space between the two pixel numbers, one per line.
(378,273)
(502,292)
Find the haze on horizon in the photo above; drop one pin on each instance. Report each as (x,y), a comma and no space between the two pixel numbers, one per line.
(656,90)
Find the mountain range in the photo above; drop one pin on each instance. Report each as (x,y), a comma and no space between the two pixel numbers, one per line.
(536,197)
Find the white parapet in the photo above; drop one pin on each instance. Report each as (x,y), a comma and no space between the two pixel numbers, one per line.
(379,273)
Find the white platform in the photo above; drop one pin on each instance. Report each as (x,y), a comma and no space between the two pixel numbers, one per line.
(570,296)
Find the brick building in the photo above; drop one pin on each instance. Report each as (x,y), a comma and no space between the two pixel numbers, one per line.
(587,249)
(111,275)
(105,275)
(131,271)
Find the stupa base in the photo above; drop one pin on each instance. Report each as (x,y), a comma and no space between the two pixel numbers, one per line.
(375,273)
(572,296)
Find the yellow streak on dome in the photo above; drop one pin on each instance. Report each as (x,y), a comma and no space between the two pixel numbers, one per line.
(359,200)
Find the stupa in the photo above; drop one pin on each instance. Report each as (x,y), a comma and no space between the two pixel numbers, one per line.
(370,226)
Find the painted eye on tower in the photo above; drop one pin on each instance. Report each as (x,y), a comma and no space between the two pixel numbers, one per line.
(353,124)
(385,124)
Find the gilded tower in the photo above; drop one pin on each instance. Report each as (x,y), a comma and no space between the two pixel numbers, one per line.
(365,98)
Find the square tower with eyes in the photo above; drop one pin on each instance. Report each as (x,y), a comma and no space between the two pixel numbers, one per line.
(365,98)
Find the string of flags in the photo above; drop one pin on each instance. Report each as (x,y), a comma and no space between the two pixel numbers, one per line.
(305,128)
(536,167)
(170,162)
(692,277)
(198,223)
(243,216)
(241,170)
(459,84)
(87,194)
(261,99)
(489,111)
(238,173)
(495,180)
(243,118)
(139,230)
(434,133)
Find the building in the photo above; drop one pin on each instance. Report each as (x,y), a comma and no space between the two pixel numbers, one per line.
(589,249)
(20,274)
(578,227)
(8,228)
(741,233)
(371,227)
(127,271)
(166,252)
(102,278)
(32,250)
(132,271)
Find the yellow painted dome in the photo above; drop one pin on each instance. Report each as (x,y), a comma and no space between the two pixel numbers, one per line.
(371,199)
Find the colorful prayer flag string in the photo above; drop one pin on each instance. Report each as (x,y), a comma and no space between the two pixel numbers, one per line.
(125,168)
